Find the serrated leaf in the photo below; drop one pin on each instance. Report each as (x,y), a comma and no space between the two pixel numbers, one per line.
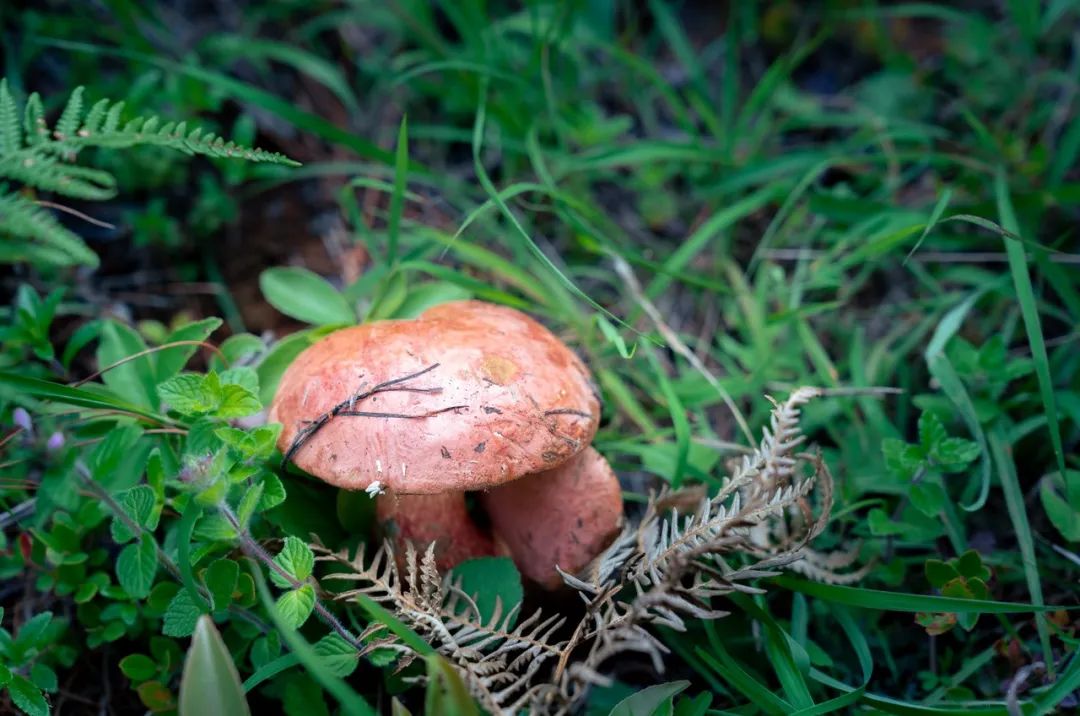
(296,558)
(273,492)
(137,566)
(928,497)
(237,402)
(954,454)
(27,696)
(339,657)
(138,504)
(220,579)
(243,376)
(931,431)
(296,605)
(248,503)
(210,683)
(181,615)
(190,394)
(901,459)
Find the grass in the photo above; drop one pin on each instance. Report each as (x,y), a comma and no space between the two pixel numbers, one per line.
(851,195)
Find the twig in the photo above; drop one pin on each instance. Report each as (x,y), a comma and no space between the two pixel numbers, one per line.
(346,408)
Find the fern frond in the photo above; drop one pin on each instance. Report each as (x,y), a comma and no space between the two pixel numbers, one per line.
(35,156)
(10,134)
(35,235)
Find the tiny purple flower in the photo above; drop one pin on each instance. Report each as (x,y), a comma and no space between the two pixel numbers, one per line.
(55,441)
(22,419)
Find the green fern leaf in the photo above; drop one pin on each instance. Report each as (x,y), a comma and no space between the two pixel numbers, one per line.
(10,132)
(37,131)
(33,234)
(94,118)
(68,123)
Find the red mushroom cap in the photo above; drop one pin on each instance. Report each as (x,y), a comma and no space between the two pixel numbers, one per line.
(513,398)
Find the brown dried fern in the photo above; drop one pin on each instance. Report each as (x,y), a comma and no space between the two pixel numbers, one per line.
(660,571)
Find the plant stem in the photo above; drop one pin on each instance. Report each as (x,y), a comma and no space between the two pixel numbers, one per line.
(255,551)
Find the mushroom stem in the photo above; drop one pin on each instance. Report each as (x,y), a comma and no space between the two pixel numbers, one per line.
(442,519)
(561,517)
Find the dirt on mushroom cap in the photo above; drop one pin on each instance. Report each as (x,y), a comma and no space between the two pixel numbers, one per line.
(514,400)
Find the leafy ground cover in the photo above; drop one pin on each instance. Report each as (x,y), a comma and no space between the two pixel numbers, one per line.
(712,203)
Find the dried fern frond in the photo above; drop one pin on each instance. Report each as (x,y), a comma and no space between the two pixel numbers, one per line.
(41,158)
(663,570)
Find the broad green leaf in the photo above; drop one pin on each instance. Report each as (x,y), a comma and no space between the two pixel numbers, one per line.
(181,615)
(954,454)
(138,667)
(279,357)
(139,505)
(237,402)
(220,580)
(295,605)
(489,580)
(43,677)
(928,497)
(305,296)
(172,360)
(27,696)
(931,431)
(136,567)
(190,394)
(210,683)
(244,376)
(296,558)
(1063,516)
(340,658)
(133,380)
(652,701)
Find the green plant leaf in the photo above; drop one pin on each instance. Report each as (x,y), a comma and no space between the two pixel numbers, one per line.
(954,454)
(305,296)
(220,579)
(210,683)
(27,696)
(181,615)
(138,667)
(295,605)
(136,567)
(237,402)
(340,657)
(490,580)
(1063,516)
(446,692)
(138,504)
(296,558)
(190,394)
(652,701)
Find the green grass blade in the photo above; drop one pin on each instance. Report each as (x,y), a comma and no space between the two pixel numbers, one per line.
(880,600)
(1025,294)
(397,198)
(1014,502)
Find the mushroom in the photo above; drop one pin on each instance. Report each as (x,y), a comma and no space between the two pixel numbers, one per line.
(469,396)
